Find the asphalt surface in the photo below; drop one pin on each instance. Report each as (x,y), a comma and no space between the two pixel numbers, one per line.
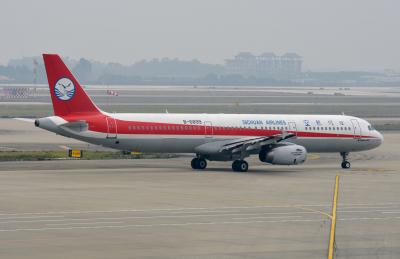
(163,209)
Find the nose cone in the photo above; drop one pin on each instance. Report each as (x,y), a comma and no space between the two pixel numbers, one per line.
(379,138)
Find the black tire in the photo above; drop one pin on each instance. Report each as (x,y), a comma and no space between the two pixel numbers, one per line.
(201,163)
(346,165)
(240,166)
(194,163)
(243,166)
(235,167)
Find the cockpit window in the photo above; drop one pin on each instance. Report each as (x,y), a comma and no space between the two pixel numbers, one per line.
(370,128)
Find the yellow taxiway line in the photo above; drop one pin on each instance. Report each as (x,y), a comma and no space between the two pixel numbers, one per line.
(333,220)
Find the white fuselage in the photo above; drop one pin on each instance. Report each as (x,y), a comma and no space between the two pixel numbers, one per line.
(182,133)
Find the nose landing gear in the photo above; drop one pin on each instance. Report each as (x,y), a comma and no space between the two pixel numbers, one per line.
(345,164)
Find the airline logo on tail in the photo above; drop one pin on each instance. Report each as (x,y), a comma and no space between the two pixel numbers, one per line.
(64,89)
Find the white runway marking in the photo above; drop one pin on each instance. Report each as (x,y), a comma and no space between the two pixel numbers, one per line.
(261,217)
(95,225)
(34,217)
(157,225)
(387,212)
(85,223)
(259,214)
(185,224)
(189,209)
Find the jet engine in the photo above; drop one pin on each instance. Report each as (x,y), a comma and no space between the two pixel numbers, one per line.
(284,155)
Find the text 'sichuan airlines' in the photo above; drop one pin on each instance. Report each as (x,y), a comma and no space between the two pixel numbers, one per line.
(276,139)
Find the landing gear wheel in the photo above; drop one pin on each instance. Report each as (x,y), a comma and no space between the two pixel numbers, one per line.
(235,166)
(240,166)
(194,163)
(201,164)
(346,164)
(198,163)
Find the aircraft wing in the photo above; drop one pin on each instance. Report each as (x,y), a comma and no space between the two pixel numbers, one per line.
(243,145)
(254,143)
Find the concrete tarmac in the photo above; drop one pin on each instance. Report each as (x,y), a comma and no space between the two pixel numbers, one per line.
(163,209)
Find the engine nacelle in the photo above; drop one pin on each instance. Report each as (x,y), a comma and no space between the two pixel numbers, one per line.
(284,155)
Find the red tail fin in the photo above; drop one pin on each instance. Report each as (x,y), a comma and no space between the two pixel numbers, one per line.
(67,95)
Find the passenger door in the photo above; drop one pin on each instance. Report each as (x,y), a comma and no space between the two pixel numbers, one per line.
(356,128)
(111,127)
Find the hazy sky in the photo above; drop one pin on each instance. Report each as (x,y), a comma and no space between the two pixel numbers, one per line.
(339,34)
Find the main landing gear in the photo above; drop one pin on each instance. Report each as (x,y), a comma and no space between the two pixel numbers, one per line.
(345,164)
(240,166)
(199,163)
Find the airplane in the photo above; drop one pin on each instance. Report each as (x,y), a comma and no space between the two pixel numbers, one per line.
(276,139)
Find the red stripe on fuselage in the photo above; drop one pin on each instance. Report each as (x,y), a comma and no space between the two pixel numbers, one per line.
(98,123)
